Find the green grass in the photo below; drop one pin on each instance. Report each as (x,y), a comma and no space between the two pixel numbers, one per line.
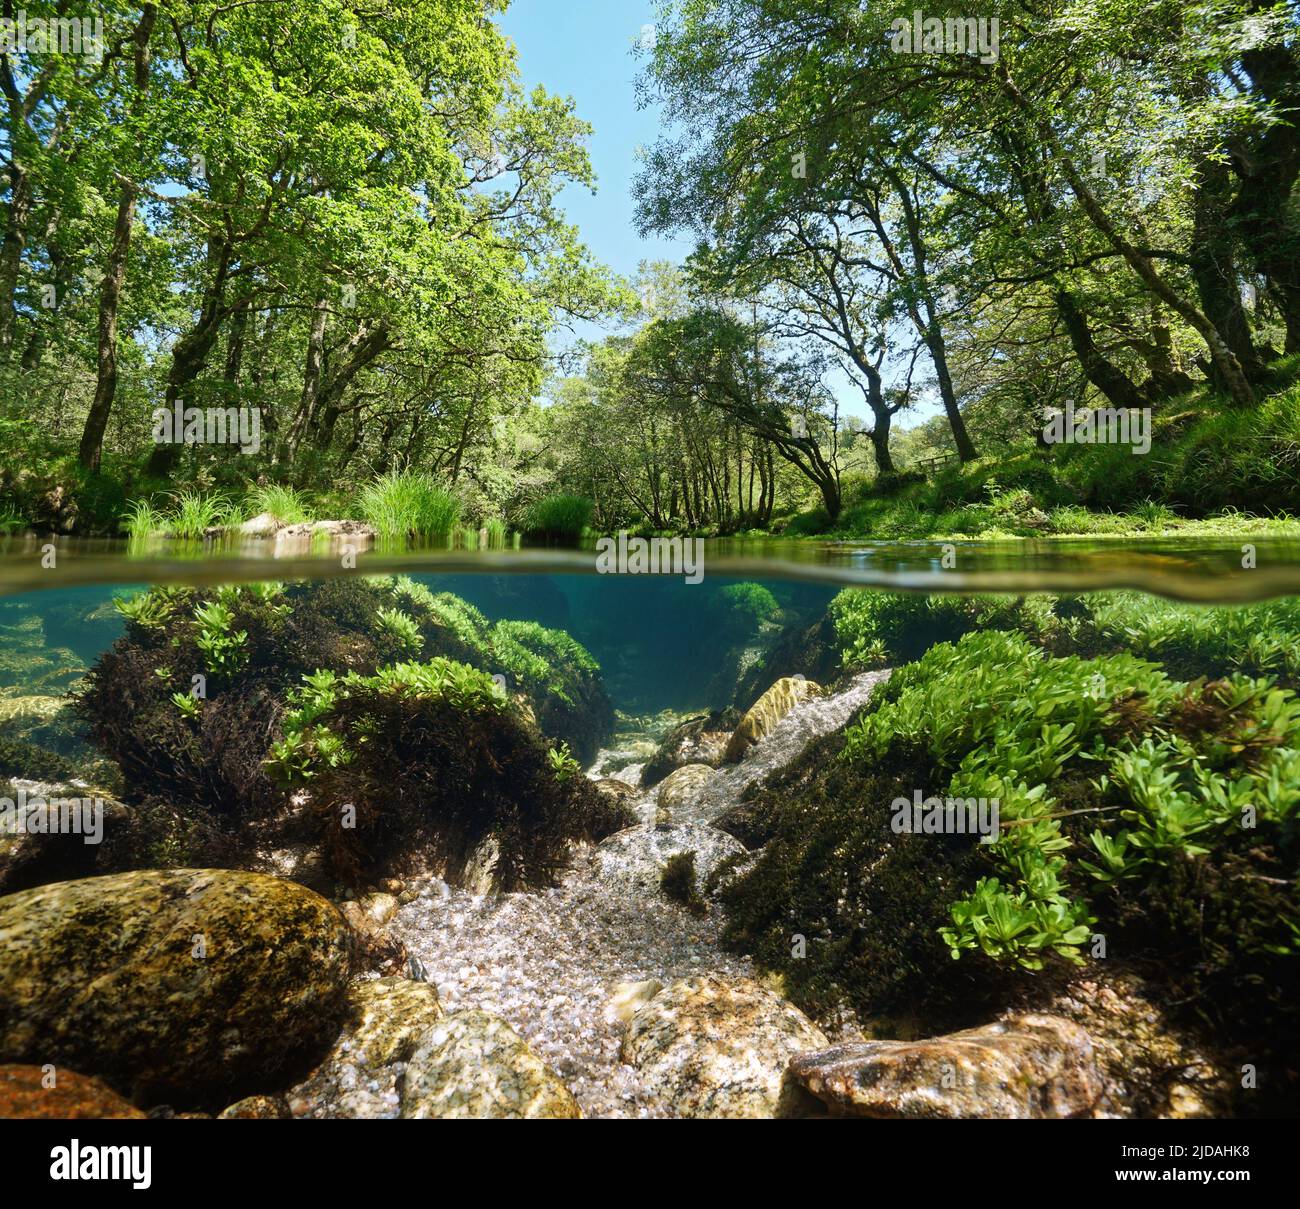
(286,504)
(559,518)
(406,503)
(1206,462)
(192,513)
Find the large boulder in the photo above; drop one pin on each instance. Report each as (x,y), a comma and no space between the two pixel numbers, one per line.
(193,984)
(637,856)
(38,1092)
(473,1065)
(720,1047)
(766,712)
(1026,1066)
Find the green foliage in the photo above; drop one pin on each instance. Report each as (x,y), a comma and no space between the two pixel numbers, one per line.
(223,647)
(403,628)
(188,704)
(285,503)
(429,760)
(406,503)
(743,607)
(559,518)
(874,627)
(193,513)
(563,765)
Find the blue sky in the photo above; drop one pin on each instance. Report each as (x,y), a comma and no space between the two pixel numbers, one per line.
(583,49)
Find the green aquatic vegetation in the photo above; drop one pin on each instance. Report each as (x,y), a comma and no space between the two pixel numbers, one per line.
(563,765)
(429,758)
(406,503)
(1193,640)
(462,620)
(1152,815)
(1022,926)
(187,703)
(403,628)
(214,763)
(679,882)
(151,610)
(224,648)
(875,627)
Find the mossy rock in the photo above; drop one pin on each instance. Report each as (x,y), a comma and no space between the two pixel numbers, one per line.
(196,986)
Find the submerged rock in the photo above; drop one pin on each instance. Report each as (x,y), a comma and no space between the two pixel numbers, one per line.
(699,740)
(681,788)
(629,997)
(256,1108)
(24,1093)
(720,1047)
(474,1065)
(387,1017)
(766,712)
(637,856)
(1026,1066)
(190,982)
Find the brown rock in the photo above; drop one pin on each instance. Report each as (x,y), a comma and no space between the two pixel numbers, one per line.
(73,1097)
(1027,1066)
(766,712)
(719,1047)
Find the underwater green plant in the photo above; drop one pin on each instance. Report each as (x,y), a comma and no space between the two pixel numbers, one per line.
(563,765)
(429,757)
(403,628)
(223,647)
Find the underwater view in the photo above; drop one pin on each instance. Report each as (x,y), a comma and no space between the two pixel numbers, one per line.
(494,842)
(647,559)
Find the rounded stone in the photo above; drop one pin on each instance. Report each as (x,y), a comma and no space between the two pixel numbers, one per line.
(473,1065)
(184,984)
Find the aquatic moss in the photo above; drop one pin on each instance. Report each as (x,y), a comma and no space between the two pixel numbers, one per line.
(678,882)
(562,680)
(202,742)
(28,762)
(431,762)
